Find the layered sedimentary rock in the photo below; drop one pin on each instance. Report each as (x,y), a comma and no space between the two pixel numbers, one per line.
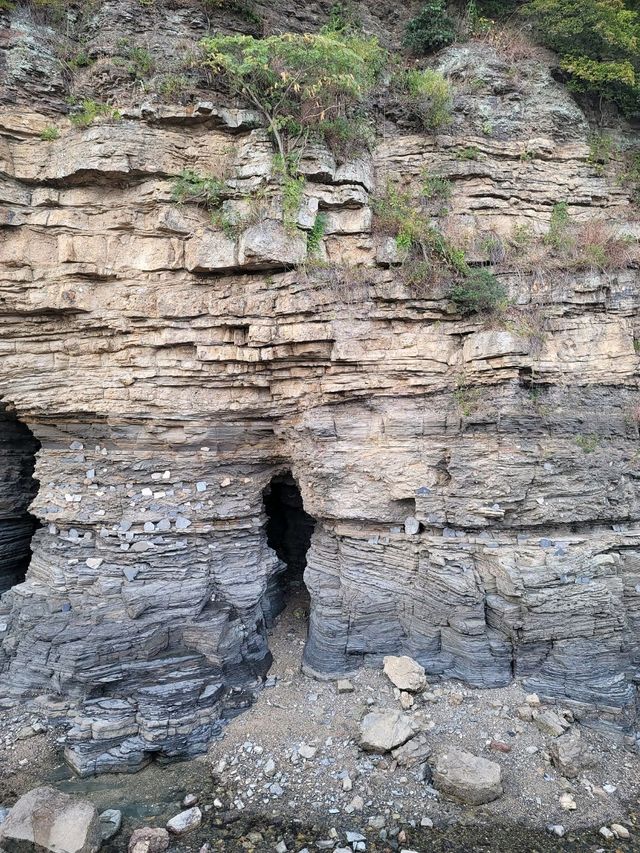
(474,485)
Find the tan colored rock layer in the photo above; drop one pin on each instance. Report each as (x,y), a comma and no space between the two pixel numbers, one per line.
(170,372)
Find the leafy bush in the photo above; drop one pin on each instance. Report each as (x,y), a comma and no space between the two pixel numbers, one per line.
(91,110)
(599,45)
(427,96)
(299,83)
(430,30)
(49,134)
(189,186)
(478,292)
(430,258)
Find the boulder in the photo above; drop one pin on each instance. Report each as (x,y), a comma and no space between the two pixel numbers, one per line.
(185,821)
(467,778)
(405,673)
(110,823)
(47,819)
(382,731)
(149,840)
(570,754)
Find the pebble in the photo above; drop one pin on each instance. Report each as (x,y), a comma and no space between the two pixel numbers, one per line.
(343,685)
(556,829)
(426,822)
(306,751)
(606,833)
(281,847)
(620,831)
(269,768)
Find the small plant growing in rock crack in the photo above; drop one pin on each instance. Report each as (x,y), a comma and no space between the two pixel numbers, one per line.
(436,187)
(92,110)
(468,153)
(587,443)
(601,150)
(191,187)
(427,97)
(49,134)
(558,236)
(315,235)
(479,292)
(137,59)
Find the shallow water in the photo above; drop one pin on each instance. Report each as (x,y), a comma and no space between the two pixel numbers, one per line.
(154,795)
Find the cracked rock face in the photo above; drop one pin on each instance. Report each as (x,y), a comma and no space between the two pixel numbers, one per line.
(171,372)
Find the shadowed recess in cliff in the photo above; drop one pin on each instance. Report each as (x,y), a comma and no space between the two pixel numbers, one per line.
(289,530)
(18,448)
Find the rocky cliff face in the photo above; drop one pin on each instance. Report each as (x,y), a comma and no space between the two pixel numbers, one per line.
(473,481)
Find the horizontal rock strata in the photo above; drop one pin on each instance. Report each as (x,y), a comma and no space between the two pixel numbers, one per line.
(170,371)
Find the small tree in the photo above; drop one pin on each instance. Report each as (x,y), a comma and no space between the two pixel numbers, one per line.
(304,85)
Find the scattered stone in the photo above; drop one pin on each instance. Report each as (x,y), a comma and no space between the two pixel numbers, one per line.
(347,784)
(281,847)
(382,731)
(356,805)
(533,700)
(269,768)
(51,820)
(606,833)
(620,831)
(500,746)
(415,751)
(405,673)
(190,800)
(426,822)
(306,751)
(406,700)
(343,685)
(377,821)
(185,821)
(567,803)
(550,723)
(467,778)
(110,823)
(556,829)
(569,754)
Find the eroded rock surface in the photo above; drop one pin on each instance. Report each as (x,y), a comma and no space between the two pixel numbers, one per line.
(170,370)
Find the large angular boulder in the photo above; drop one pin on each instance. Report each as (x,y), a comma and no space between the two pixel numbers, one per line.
(45,819)
(382,731)
(405,673)
(465,777)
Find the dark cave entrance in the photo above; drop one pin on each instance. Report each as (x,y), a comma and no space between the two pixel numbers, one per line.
(18,448)
(289,529)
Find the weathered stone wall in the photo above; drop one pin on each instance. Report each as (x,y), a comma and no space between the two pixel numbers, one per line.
(170,371)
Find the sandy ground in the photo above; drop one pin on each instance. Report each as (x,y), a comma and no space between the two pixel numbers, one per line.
(300,710)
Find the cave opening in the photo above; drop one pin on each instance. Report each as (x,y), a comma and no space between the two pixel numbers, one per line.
(18,487)
(289,529)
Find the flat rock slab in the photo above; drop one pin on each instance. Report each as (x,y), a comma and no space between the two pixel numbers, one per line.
(382,731)
(405,673)
(465,777)
(46,819)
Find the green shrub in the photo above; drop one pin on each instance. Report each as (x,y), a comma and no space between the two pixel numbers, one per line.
(436,187)
(479,292)
(315,235)
(189,186)
(92,110)
(49,134)
(558,236)
(430,30)
(427,96)
(137,60)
